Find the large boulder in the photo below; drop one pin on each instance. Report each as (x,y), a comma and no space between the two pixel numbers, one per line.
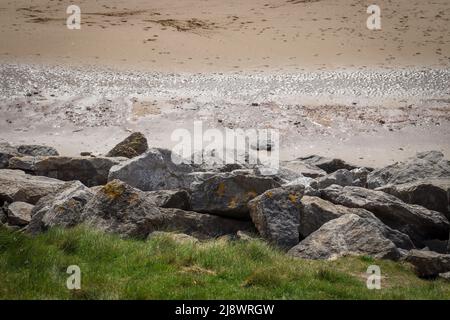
(315,212)
(433,194)
(227,194)
(425,165)
(89,170)
(417,222)
(134,145)
(329,165)
(127,211)
(61,208)
(275,214)
(7,151)
(36,150)
(341,177)
(16,185)
(347,235)
(303,168)
(19,213)
(153,170)
(178,199)
(428,263)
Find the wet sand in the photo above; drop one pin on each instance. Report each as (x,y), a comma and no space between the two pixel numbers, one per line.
(310,69)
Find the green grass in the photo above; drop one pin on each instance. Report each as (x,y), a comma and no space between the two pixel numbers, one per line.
(112,268)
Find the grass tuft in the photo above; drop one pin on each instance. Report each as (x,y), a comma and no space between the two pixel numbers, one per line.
(161,268)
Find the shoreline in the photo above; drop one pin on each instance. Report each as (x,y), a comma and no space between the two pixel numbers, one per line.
(370,117)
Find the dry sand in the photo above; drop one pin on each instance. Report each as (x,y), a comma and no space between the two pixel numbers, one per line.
(330,85)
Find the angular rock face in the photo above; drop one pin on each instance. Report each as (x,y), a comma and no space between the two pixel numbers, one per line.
(178,199)
(134,145)
(7,151)
(90,171)
(425,165)
(154,170)
(327,164)
(417,222)
(122,209)
(347,235)
(433,194)
(341,177)
(303,168)
(36,150)
(15,185)
(275,214)
(227,194)
(19,213)
(61,208)
(315,212)
(428,263)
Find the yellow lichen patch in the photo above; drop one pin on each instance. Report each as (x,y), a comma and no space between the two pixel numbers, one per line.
(113,189)
(221,189)
(233,203)
(293,198)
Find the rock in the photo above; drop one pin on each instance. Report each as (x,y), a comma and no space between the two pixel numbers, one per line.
(445,276)
(303,168)
(179,238)
(428,264)
(417,222)
(275,214)
(62,208)
(15,185)
(327,164)
(90,171)
(36,150)
(153,170)
(282,175)
(19,213)
(179,199)
(347,235)
(425,165)
(7,152)
(310,185)
(341,177)
(244,236)
(433,194)
(315,212)
(134,145)
(127,211)
(3,216)
(360,177)
(227,194)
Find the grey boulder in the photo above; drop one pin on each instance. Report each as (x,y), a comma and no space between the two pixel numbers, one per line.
(62,208)
(315,212)
(329,165)
(347,235)
(19,213)
(303,168)
(425,165)
(91,171)
(428,264)
(16,185)
(153,170)
(227,194)
(341,177)
(275,214)
(127,211)
(417,222)
(433,194)
(178,199)
(132,146)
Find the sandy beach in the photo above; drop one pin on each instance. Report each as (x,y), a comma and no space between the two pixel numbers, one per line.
(310,69)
